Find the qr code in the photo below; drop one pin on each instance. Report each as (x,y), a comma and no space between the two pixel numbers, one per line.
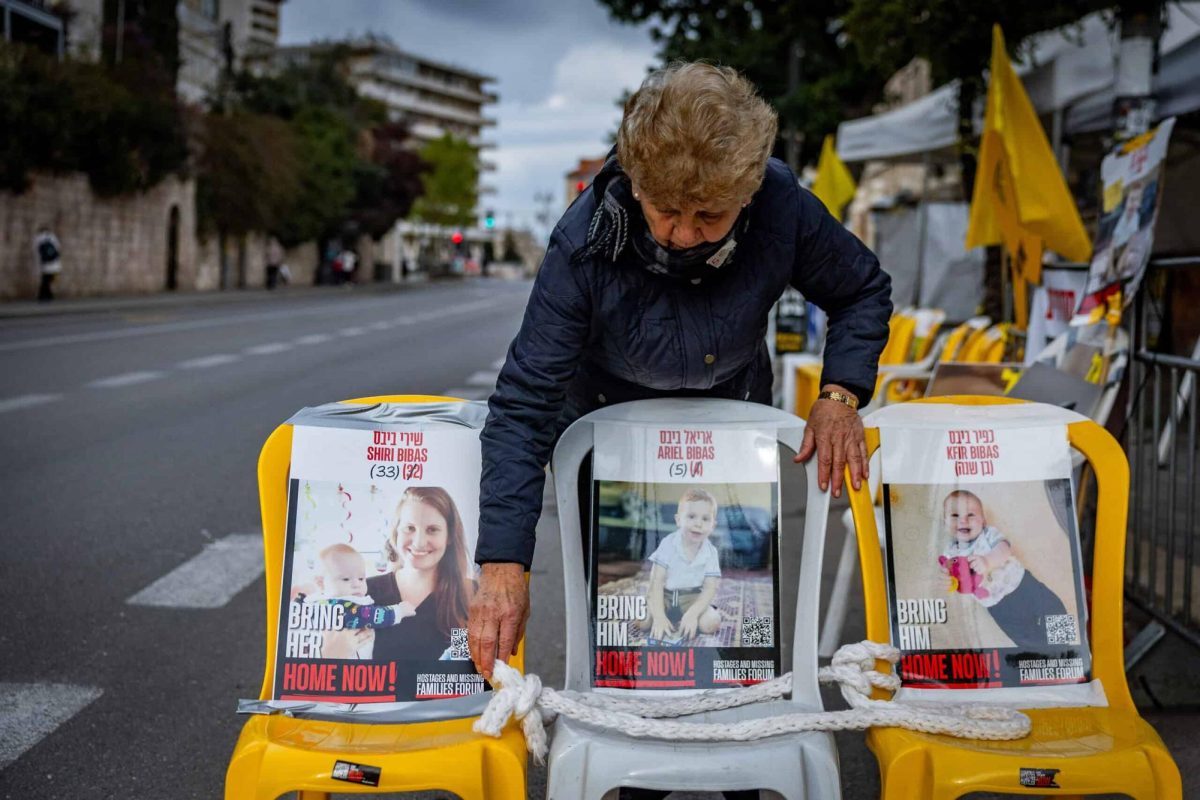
(758,631)
(459,651)
(1061,629)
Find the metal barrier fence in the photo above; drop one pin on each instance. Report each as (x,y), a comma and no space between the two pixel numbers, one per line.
(1162,570)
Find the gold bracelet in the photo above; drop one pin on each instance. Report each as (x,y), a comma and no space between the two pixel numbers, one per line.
(839,397)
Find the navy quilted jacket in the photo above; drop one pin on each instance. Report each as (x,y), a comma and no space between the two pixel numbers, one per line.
(600,333)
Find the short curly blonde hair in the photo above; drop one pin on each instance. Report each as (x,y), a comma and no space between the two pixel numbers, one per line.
(696,134)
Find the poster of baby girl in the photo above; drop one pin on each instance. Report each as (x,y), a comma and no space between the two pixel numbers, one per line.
(379,564)
(983,559)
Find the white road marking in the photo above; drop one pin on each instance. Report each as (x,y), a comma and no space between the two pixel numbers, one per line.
(127,379)
(381,325)
(498,364)
(267,349)
(190,325)
(468,392)
(313,338)
(29,712)
(204,362)
(210,579)
(352,331)
(482,378)
(27,401)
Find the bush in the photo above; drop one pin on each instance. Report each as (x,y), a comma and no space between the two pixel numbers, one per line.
(72,116)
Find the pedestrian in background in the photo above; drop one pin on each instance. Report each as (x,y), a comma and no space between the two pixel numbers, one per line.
(658,282)
(274,262)
(48,252)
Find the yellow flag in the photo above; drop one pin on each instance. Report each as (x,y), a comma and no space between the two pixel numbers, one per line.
(1018,184)
(833,184)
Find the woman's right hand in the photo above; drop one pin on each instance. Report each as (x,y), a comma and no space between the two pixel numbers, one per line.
(498,613)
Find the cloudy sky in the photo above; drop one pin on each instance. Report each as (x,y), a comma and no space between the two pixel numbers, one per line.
(559,65)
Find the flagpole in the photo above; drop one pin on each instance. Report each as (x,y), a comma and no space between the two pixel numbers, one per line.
(922,229)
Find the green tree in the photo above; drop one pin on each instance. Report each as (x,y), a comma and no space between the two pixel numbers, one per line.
(71,116)
(955,37)
(248,171)
(450,184)
(762,39)
(387,184)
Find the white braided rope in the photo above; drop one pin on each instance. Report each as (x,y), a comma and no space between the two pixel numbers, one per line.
(853,668)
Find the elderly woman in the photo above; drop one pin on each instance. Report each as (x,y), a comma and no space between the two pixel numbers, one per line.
(658,282)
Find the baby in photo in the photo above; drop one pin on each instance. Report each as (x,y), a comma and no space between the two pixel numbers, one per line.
(979,562)
(684,574)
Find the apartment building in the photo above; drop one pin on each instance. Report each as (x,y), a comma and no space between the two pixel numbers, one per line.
(212,32)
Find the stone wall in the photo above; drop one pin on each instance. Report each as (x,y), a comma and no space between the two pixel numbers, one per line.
(109,245)
(120,245)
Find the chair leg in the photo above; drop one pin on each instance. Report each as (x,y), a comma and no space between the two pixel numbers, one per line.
(1168,783)
(907,776)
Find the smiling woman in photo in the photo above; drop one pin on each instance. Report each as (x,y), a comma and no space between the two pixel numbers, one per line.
(431,571)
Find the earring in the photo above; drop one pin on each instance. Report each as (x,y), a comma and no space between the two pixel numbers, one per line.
(637,196)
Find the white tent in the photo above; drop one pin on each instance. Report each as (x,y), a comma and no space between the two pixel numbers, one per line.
(927,124)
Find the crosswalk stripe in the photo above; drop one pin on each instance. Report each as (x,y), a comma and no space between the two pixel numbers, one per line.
(267,349)
(27,401)
(126,379)
(209,580)
(29,712)
(204,362)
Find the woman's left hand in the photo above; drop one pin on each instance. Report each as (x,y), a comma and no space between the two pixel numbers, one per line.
(835,433)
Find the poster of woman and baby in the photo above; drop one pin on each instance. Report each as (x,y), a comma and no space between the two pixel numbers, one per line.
(982,558)
(684,548)
(379,566)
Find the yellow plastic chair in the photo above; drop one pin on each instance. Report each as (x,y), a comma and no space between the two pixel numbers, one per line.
(908,381)
(277,754)
(806,373)
(927,322)
(1097,750)
(987,346)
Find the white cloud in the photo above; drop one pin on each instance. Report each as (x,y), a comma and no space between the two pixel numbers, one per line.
(538,143)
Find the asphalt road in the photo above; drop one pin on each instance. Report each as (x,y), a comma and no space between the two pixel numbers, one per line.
(129,439)
(129,445)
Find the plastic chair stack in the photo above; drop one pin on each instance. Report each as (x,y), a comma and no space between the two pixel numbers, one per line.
(1095,750)
(278,754)
(588,762)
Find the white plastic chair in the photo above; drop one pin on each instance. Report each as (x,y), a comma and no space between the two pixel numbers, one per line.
(588,762)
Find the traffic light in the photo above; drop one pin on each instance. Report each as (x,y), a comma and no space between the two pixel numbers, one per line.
(489,219)
(456,237)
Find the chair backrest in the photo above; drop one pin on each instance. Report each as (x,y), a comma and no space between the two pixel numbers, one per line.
(274,465)
(1111,468)
(901,327)
(927,323)
(958,337)
(987,345)
(575,450)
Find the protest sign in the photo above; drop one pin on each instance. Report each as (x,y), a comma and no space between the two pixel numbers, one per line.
(984,575)
(1132,178)
(378,564)
(684,551)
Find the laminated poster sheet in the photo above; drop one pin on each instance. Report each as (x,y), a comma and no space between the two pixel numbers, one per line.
(984,575)
(1132,177)
(684,552)
(379,565)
